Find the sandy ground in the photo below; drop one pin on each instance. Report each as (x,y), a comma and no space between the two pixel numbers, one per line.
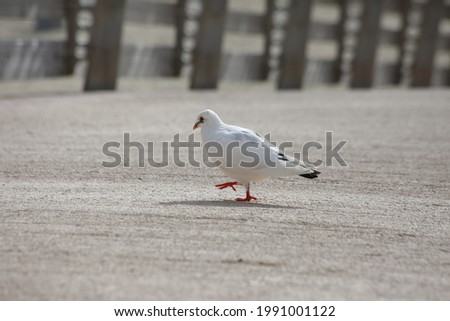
(377,229)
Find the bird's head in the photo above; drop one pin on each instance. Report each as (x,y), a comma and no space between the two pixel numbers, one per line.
(206,117)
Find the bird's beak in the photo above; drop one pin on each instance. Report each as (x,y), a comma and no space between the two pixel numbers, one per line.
(197,123)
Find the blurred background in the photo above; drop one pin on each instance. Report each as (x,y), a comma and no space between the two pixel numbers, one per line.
(77,74)
(76,45)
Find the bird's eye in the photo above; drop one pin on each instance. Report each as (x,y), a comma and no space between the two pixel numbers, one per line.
(202,119)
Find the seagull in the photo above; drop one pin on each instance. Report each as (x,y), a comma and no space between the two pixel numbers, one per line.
(255,160)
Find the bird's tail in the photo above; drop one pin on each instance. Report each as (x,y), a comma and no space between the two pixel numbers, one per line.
(314,174)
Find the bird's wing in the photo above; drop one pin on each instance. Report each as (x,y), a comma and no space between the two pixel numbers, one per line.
(253,155)
(241,134)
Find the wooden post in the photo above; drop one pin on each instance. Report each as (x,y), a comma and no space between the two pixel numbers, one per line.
(293,62)
(207,53)
(49,14)
(71,8)
(179,22)
(268,27)
(104,51)
(364,60)
(340,35)
(405,7)
(422,69)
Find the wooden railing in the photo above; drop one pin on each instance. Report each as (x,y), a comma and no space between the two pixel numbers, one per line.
(288,29)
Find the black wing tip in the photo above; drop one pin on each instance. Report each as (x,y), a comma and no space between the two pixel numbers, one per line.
(315,174)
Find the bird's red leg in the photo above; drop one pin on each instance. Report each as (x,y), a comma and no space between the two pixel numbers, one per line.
(227,184)
(248,197)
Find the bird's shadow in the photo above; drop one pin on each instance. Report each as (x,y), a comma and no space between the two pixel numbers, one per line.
(227,203)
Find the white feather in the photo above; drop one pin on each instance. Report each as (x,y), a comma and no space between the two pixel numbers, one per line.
(272,162)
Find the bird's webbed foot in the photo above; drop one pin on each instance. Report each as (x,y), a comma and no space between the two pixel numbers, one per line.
(227,184)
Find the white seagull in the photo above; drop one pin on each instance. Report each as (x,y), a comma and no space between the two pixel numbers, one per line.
(254,160)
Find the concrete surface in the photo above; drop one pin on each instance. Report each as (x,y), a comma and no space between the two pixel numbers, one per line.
(378,229)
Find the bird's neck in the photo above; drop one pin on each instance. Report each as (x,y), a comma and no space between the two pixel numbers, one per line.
(211,129)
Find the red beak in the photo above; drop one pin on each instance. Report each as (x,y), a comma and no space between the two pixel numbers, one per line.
(196,125)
